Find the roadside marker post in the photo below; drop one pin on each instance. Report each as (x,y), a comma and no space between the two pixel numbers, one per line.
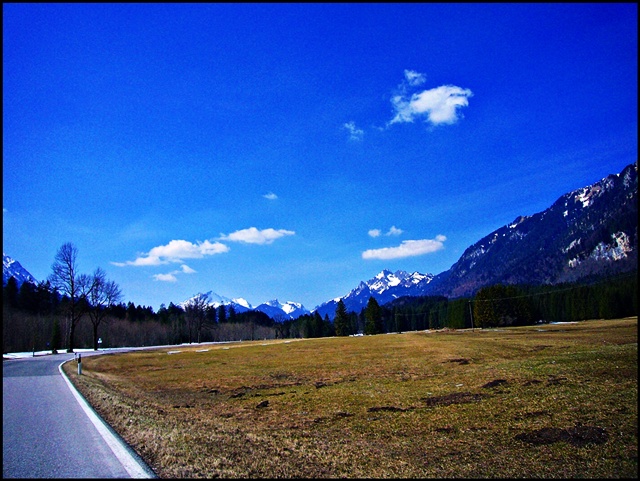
(79,364)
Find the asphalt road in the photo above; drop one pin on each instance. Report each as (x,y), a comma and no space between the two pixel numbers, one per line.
(46,433)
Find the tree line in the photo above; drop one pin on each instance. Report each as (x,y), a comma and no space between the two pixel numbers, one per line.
(518,305)
(71,310)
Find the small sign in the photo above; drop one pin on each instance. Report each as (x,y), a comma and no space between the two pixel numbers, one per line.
(99,340)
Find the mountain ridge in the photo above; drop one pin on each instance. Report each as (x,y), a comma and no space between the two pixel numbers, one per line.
(273,308)
(580,234)
(589,231)
(12,268)
(384,287)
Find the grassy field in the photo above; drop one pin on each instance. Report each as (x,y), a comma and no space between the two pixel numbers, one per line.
(546,401)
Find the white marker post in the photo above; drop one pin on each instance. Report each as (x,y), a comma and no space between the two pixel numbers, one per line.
(79,364)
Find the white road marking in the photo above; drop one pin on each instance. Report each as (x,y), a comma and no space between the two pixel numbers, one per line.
(121,452)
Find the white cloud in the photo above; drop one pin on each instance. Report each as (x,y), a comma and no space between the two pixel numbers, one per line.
(414,78)
(439,105)
(175,251)
(270,196)
(254,236)
(408,248)
(354,132)
(165,277)
(171,276)
(394,231)
(187,270)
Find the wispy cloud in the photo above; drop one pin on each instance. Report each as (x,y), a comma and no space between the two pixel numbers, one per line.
(171,276)
(354,132)
(408,248)
(414,78)
(187,270)
(165,277)
(270,196)
(175,251)
(254,236)
(438,105)
(393,231)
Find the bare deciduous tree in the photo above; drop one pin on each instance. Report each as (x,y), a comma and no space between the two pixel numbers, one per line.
(101,294)
(196,315)
(66,280)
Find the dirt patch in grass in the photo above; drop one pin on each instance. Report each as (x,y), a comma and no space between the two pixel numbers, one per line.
(453,398)
(461,361)
(495,383)
(578,436)
(376,409)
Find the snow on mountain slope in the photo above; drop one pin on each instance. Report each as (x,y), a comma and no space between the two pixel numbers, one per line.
(272,308)
(384,287)
(589,231)
(12,268)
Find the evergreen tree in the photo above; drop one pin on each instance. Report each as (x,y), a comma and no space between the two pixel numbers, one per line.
(397,318)
(132,312)
(11,291)
(328,329)
(211,315)
(222,314)
(500,305)
(341,321)
(353,323)
(373,317)
(307,325)
(232,314)
(27,297)
(317,325)
(163,314)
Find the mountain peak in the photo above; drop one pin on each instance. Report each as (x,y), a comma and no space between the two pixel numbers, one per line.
(383,273)
(586,232)
(12,268)
(384,287)
(277,310)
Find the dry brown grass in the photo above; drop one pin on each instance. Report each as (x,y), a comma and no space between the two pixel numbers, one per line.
(540,401)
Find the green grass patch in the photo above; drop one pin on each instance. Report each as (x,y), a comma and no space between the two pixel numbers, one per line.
(550,401)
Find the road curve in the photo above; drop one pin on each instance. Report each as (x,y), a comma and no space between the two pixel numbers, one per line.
(47,433)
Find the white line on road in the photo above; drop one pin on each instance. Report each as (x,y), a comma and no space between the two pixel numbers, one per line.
(121,452)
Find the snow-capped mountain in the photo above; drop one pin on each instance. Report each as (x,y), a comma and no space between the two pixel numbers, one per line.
(277,311)
(384,287)
(589,232)
(592,231)
(12,268)
(239,304)
(273,308)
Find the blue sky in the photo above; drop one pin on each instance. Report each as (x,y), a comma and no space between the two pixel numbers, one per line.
(290,151)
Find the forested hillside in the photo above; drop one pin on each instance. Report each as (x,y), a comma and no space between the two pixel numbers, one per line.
(36,319)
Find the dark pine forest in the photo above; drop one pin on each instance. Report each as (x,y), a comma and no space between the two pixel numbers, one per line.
(37,317)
